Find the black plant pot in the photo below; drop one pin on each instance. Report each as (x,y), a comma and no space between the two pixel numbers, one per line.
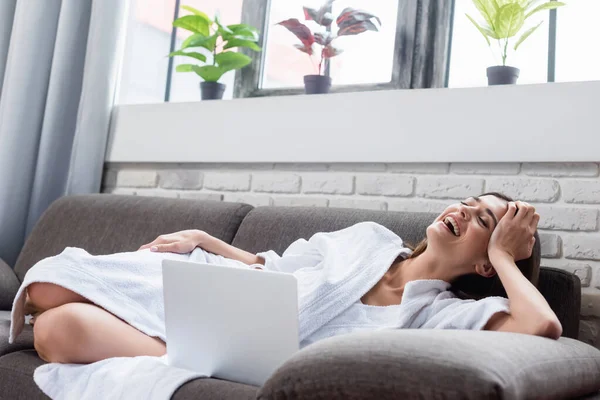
(502,75)
(212,90)
(317,84)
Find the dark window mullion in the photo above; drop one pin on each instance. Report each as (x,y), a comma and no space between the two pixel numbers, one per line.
(552,47)
(171,49)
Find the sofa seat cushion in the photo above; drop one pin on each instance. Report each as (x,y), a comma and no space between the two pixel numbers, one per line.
(23,342)
(435,364)
(16,382)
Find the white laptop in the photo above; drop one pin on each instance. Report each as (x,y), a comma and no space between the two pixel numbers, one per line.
(229,323)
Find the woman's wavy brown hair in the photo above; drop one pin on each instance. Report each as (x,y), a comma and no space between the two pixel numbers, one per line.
(475,286)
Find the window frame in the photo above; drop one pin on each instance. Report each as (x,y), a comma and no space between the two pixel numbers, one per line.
(410,50)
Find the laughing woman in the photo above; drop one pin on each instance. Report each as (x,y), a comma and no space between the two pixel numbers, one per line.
(89,308)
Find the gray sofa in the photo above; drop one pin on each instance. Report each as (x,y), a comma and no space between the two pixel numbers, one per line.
(376,365)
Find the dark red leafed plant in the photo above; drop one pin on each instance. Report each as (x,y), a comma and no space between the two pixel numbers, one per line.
(350,22)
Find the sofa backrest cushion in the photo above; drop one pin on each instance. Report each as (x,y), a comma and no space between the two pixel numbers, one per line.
(104,224)
(275,228)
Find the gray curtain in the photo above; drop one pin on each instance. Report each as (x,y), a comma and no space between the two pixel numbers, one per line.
(58,67)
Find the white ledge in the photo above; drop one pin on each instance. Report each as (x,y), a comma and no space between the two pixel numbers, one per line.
(524,123)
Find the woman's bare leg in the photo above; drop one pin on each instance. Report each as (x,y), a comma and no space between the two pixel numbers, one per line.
(84,333)
(43,296)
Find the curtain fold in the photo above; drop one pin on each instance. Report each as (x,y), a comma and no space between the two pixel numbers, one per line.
(52,70)
(7,12)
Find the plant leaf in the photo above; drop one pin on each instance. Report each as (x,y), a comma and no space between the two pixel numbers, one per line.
(350,16)
(324,16)
(487,10)
(197,12)
(356,28)
(199,40)
(330,51)
(231,60)
(509,20)
(244,32)
(301,31)
(185,68)
(525,35)
(483,32)
(225,31)
(323,38)
(197,56)
(209,73)
(193,23)
(241,43)
(310,14)
(308,50)
(551,5)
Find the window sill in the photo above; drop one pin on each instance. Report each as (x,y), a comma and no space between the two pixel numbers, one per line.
(525,123)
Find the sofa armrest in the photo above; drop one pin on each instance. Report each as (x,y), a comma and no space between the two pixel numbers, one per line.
(562,291)
(9,285)
(434,364)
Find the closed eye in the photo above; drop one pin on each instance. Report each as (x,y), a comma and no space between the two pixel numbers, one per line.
(481,220)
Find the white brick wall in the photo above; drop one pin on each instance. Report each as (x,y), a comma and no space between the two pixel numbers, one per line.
(567,196)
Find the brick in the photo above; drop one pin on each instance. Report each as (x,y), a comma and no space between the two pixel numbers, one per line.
(539,190)
(330,183)
(304,201)
(301,167)
(227,181)
(225,167)
(180,179)
(276,182)
(567,218)
(582,270)
(419,168)
(560,169)
(358,203)
(485,168)
(449,187)
(589,331)
(590,302)
(418,205)
(582,247)
(136,178)
(156,193)
(201,196)
(357,167)
(551,245)
(120,191)
(385,185)
(581,191)
(255,200)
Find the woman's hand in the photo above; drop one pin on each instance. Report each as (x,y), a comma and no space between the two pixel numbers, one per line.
(514,234)
(178,242)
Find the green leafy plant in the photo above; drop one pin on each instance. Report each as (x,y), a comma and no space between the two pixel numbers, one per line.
(504,19)
(213,39)
(350,22)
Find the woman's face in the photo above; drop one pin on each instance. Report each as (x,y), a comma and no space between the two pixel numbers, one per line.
(462,232)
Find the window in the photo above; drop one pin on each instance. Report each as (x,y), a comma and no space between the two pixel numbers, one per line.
(577,54)
(185,86)
(470,54)
(366,58)
(144,67)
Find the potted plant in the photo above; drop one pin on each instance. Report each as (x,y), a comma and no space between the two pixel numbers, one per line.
(503,20)
(214,42)
(349,22)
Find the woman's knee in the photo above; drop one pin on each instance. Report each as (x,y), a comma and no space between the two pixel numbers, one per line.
(57,333)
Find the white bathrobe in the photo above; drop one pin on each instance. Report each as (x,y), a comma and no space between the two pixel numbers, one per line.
(334,270)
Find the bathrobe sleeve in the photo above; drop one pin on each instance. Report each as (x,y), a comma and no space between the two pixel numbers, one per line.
(453,313)
(301,253)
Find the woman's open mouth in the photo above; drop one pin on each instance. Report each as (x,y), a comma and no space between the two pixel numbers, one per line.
(452,225)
